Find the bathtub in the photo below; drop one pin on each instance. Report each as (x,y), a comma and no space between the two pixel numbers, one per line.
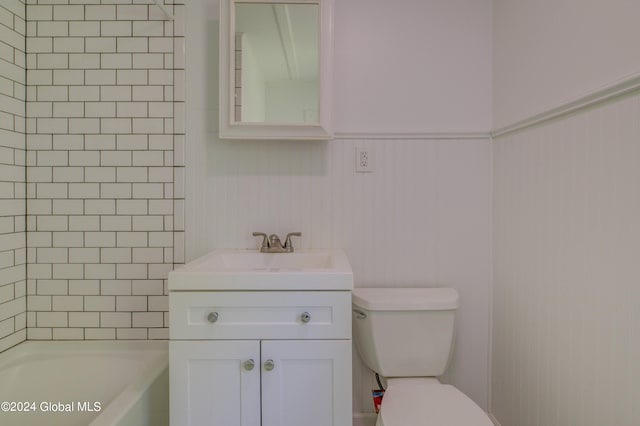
(79,383)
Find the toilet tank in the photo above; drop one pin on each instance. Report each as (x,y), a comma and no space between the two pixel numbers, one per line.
(405,332)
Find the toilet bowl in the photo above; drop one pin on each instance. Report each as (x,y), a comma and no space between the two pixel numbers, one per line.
(406,335)
(427,402)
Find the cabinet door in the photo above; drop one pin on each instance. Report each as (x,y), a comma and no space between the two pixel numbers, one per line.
(212,384)
(308,383)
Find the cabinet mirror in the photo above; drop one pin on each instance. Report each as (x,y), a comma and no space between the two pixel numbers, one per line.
(275,69)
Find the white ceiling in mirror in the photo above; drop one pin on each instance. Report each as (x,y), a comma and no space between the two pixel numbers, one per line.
(293,28)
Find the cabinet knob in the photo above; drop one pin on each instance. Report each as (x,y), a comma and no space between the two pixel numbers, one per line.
(269,365)
(212,317)
(249,364)
(305,317)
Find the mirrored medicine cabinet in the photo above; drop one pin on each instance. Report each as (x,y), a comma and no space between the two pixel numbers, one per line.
(275,69)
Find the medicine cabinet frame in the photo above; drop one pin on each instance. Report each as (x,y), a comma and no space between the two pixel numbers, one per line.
(229,128)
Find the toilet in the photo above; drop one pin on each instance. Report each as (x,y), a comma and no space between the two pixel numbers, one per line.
(406,335)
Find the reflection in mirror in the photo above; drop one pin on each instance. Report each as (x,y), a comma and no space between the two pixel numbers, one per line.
(276,63)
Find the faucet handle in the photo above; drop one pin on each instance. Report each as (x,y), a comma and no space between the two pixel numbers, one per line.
(265,241)
(287,242)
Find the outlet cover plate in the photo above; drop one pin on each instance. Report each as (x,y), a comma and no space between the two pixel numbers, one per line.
(364,159)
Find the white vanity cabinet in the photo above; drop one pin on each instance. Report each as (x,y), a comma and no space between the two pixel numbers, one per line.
(260,358)
(210,384)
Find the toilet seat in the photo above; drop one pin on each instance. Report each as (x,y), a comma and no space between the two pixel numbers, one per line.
(427,402)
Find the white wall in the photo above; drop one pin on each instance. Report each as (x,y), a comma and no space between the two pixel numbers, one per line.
(253,85)
(565,217)
(292,101)
(412,66)
(566,244)
(421,219)
(548,52)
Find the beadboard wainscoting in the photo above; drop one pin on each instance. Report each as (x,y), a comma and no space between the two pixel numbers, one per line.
(566,254)
(105,132)
(421,218)
(12,174)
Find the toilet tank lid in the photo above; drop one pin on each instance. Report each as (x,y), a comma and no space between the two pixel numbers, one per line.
(409,299)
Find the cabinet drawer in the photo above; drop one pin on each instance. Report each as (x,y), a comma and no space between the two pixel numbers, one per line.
(260,315)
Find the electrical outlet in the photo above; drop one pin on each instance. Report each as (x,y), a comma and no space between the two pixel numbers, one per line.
(364,159)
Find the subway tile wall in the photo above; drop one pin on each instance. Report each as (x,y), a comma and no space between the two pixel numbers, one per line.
(12,174)
(105,132)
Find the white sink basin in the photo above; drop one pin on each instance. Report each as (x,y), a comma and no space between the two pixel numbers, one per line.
(256,261)
(252,270)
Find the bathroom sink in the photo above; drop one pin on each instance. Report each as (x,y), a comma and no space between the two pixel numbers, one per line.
(256,261)
(253,270)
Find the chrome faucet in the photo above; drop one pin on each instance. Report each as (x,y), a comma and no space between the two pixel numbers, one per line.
(272,243)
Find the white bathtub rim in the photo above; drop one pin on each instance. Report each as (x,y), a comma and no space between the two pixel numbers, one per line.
(43,348)
(121,404)
(118,407)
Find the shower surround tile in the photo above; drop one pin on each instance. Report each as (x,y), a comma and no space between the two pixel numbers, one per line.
(100,142)
(13,317)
